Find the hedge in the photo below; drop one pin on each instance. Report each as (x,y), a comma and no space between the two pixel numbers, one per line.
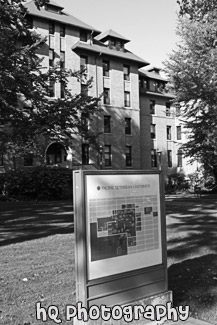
(36,183)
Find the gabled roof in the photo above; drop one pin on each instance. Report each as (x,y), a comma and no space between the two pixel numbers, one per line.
(62,17)
(154,69)
(99,47)
(151,75)
(54,4)
(111,33)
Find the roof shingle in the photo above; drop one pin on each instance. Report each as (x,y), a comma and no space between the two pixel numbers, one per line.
(63,17)
(99,47)
(111,33)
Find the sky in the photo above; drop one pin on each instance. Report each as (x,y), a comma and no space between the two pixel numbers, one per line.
(149,24)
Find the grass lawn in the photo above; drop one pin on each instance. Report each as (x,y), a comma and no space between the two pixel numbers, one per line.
(192,255)
(40,269)
(37,258)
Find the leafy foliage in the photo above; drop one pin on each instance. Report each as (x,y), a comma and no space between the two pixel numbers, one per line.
(193,74)
(23,79)
(197,9)
(38,183)
(176,182)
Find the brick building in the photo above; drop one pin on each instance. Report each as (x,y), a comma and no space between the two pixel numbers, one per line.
(162,131)
(135,121)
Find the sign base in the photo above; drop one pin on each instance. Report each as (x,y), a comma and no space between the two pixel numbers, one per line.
(157,300)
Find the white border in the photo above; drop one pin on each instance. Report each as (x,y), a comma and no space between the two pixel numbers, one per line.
(109,186)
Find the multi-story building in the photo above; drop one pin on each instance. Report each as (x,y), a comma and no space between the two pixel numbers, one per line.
(160,133)
(162,130)
(135,121)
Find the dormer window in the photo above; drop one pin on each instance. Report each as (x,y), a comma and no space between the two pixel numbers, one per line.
(53,8)
(116,44)
(83,35)
(112,43)
(113,40)
(119,45)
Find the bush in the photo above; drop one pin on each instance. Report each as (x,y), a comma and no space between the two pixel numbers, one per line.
(209,182)
(37,183)
(176,182)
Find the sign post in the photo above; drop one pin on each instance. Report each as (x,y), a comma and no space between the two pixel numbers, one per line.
(120,231)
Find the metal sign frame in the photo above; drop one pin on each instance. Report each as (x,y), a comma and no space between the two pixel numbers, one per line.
(127,286)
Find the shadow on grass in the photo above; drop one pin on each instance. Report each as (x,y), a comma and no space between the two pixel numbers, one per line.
(194,283)
(192,254)
(21,222)
(191,228)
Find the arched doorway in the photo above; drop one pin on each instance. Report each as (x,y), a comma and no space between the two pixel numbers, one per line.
(56,154)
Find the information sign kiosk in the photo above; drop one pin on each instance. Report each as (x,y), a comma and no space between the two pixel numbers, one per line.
(120,236)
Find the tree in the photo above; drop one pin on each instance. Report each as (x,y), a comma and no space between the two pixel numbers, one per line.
(197,9)
(22,79)
(192,68)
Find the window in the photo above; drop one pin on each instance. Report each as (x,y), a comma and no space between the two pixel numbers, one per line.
(84,90)
(107,156)
(152,106)
(28,160)
(85,153)
(62,89)
(179,132)
(55,154)
(83,35)
(51,57)
(107,124)
(179,158)
(169,136)
(127,125)
(84,122)
(128,156)
(83,63)
(62,30)
(62,60)
(178,109)
(112,43)
(51,27)
(126,72)
(119,45)
(146,84)
(169,158)
(168,109)
(52,88)
(127,99)
(106,96)
(153,158)
(1,160)
(105,65)
(159,86)
(29,22)
(153,131)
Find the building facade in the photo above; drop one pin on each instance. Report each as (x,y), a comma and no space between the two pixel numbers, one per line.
(136,125)
(162,130)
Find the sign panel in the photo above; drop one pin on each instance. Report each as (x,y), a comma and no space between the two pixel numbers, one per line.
(123,223)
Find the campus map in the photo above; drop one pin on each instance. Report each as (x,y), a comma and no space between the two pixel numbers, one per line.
(123,226)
